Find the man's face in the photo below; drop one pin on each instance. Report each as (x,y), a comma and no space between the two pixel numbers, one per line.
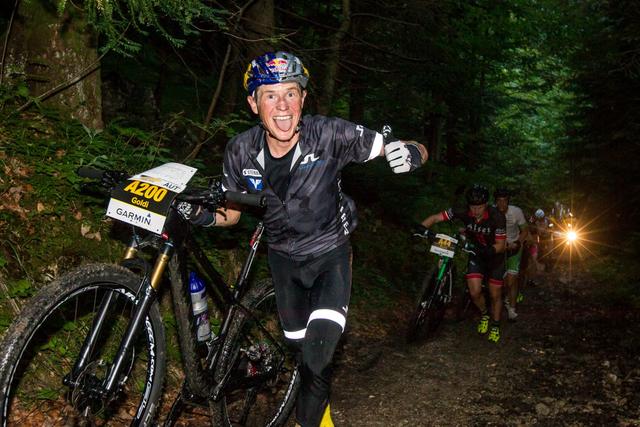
(279,107)
(478,210)
(502,203)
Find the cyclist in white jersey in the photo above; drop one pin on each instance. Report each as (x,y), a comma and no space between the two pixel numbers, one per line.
(516,234)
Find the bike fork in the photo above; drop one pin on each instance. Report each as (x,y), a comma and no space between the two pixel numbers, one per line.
(142,305)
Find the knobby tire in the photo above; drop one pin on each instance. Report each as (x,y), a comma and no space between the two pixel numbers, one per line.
(429,310)
(270,402)
(42,344)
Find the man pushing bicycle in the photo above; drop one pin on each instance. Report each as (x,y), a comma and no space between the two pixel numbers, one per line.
(485,227)
(296,162)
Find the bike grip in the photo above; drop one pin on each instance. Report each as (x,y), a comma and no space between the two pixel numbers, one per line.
(89,172)
(256,200)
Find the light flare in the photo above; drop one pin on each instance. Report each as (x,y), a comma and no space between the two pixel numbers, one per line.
(571,236)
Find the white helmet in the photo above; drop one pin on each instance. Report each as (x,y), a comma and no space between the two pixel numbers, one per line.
(539,214)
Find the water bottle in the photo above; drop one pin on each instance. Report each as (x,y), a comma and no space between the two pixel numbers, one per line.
(199,305)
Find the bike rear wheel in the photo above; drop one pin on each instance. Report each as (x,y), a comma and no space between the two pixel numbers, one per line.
(42,346)
(430,309)
(264,379)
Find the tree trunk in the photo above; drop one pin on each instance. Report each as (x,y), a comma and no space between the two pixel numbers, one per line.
(325,98)
(256,28)
(46,50)
(453,154)
(357,84)
(259,26)
(432,133)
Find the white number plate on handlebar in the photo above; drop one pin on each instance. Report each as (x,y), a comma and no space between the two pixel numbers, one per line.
(145,199)
(444,245)
(172,176)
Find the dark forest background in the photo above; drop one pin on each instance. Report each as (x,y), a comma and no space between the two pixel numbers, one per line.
(541,96)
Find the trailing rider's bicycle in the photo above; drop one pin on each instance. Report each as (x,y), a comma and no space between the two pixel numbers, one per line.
(90,348)
(437,287)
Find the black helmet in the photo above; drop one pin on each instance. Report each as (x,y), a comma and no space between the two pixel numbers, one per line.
(501,192)
(477,195)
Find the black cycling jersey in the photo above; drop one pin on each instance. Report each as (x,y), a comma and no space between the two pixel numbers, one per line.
(278,174)
(486,230)
(315,216)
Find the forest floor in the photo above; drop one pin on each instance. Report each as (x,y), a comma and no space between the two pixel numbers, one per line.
(568,360)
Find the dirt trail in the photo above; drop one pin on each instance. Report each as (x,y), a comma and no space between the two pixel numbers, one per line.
(566,361)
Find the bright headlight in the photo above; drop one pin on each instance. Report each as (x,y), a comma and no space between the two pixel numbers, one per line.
(571,236)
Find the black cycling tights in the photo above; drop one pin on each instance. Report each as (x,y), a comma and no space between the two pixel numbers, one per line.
(313,299)
(317,352)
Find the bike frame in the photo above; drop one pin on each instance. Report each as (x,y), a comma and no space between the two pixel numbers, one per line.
(176,241)
(445,271)
(445,267)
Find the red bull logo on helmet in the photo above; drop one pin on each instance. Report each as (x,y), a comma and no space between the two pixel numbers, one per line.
(278,65)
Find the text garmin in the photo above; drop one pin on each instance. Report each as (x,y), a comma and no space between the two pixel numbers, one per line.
(134,216)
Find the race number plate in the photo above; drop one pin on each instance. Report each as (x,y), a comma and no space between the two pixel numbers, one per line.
(144,200)
(444,245)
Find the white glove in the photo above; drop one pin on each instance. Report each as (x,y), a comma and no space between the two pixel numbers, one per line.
(398,156)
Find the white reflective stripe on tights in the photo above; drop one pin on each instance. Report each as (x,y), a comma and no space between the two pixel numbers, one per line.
(334,316)
(295,335)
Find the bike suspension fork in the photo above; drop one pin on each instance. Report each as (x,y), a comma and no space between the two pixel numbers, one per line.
(98,322)
(145,299)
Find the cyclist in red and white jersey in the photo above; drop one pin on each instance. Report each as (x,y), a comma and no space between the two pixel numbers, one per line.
(485,227)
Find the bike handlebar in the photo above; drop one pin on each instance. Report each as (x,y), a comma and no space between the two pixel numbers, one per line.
(256,200)
(427,234)
(89,172)
(213,196)
(108,178)
(463,244)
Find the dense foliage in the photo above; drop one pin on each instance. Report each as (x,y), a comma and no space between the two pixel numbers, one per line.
(115,19)
(535,95)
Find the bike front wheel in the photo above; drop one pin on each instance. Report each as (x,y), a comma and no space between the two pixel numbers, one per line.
(42,346)
(263,378)
(429,310)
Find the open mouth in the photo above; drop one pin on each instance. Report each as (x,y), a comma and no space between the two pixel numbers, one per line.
(284,123)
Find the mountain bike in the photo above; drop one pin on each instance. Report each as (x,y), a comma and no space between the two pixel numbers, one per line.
(437,287)
(90,347)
